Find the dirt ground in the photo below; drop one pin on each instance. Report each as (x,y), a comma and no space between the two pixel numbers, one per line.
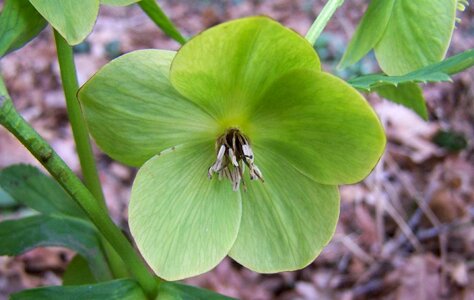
(406,232)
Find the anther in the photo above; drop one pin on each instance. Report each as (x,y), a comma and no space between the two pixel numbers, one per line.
(233,154)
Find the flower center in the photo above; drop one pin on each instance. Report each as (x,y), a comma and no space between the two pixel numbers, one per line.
(233,154)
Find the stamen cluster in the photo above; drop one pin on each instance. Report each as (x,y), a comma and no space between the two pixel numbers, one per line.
(233,154)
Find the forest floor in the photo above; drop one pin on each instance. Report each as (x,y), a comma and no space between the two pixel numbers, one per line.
(406,232)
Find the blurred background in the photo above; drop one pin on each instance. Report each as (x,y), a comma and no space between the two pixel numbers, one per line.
(406,232)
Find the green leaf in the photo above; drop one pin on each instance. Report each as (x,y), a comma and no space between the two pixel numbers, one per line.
(73,19)
(369,31)
(122,289)
(28,186)
(417,35)
(433,73)
(156,14)
(409,95)
(133,112)
(78,272)
(287,220)
(321,125)
(178,291)
(6,200)
(22,235)
(118,2)
(183,223)
(19,23)
(227,67)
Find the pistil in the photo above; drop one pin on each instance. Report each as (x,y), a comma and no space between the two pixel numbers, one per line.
(233,154)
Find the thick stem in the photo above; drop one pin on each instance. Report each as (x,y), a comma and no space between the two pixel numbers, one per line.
(322,20)
(45,154)
(156,14)
(81,138)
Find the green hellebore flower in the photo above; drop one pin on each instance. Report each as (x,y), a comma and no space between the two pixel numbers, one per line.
(243,94)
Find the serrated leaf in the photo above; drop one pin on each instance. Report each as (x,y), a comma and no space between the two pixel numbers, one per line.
(28,186)
(433,73)
(19,236)
(122,289)
(19,23)
(73,19)
(407,94)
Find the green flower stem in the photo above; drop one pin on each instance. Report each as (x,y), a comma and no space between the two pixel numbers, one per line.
(156,14)
(79,129)
(45,154)
(81,138)
(322,20)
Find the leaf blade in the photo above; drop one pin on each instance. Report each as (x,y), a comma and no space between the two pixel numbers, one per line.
(30,187)
(64,17)
(369,31)
(125,289)
(19,23)
(408,94)
(19,236)
(437,72)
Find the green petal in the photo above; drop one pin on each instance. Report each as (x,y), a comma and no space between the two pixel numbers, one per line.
(133,112)
(230,65)
(323,126)
(183,223)
(287,220)
(418,34)
(73,19)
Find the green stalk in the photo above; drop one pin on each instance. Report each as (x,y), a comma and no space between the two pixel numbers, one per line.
(81,137)
(45,154)
(156,14)
(322,20)
(79,129)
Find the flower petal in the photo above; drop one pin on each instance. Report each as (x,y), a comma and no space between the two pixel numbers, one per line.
(230,65)
(183,223)
(287,220)
(323,126)
(133,112)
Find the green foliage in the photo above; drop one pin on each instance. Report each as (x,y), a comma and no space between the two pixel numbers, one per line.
(407,94)
(178,291)
(73,19)
(6,201)
(78,272)
(433,73)
(123,289)
(406,35)
(19,236)
(28,186)
(156,14)
(369,31)
(19,23)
